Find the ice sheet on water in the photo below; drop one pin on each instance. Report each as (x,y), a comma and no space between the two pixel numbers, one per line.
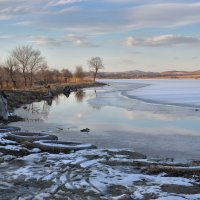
(180,92)
(129,93)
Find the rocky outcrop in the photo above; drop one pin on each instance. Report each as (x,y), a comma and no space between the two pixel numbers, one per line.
(3,107)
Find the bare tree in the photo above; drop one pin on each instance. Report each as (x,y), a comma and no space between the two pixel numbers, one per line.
(11,67)
(28,60)
(41,74)
(48,76)
(56,76)
(79,74)
(22,56)
(95,64)
(66,74)
(37,62)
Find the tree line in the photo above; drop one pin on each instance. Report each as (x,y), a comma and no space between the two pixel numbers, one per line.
(26,67)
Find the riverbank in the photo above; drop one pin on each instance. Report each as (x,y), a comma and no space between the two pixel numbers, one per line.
(20,97)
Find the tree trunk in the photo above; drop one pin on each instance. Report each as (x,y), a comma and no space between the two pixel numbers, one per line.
(31,79)
(14,83)
(25,81)
(7,83)
(24,76)
(95,74)
(12,79)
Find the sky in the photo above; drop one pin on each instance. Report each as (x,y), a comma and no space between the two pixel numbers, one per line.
(148,35)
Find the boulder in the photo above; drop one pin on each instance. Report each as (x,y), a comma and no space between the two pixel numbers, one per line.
(3,106)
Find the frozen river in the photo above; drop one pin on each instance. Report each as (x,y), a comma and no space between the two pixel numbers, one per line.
(174,92)
(159,118)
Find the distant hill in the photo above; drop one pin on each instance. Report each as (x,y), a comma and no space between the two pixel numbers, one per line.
(142,74)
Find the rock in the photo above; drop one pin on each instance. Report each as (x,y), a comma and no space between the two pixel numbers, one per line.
(59,146)
(27,144)
(3,106)
(85,130)
(30,137)
(14,150)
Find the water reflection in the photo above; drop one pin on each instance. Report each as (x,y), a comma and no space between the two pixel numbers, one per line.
(67,94)
(80,95)
(74,109)
(43,109)
(118,121)
(49,101)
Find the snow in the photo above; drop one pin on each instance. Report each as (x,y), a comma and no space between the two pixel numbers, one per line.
(88,163)
(62,144)
(42,196)
(11,147)
(184,197)
(35,150)
(120,197)
(88,170)
(172,197)
(4,141)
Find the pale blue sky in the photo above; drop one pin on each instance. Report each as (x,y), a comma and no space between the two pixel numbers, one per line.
(149,35)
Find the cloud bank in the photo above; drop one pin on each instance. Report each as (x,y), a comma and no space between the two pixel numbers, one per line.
(162,40)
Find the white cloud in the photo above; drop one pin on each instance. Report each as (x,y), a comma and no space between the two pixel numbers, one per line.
(162,40)
(130,41)
(164,15)
(42,40)
(102,19)
(165,40)
(5,17)
(24,23)
(63,2)
(80,41)
(5,36)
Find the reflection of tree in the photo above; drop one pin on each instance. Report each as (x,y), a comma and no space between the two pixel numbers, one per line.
(49,101)
(45,109)
(96,107)
(32,108)
(79,95)
(67,94)
(56,99)
(92,94)
(41,109)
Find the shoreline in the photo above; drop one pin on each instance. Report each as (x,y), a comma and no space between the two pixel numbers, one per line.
(140,136)
(20,97)
(103,173)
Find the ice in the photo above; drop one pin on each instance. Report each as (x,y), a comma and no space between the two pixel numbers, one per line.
(88,163)
(171,197)
(178,92)
(157,99)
